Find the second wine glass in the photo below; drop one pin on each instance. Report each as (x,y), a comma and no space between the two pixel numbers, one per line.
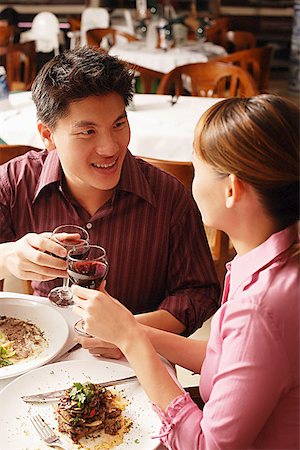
(87,267)
(69,236)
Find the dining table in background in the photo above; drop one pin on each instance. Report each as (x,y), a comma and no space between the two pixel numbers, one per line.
(159,128)
(163,61)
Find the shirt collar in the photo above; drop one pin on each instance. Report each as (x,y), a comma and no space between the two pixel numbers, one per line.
(243,267)
(132,177)
(51,172)
(134,180)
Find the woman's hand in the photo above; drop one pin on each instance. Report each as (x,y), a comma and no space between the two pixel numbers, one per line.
(97,347)
(105,317)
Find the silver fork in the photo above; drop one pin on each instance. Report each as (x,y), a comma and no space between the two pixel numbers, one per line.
(46,433)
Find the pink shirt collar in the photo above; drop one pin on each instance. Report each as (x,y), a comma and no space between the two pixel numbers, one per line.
(242,268)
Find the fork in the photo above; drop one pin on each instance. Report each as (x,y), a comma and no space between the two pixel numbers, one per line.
(46,433)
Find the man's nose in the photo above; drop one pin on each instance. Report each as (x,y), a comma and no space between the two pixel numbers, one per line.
(106,144)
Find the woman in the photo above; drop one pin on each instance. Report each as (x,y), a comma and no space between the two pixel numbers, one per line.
(247,184)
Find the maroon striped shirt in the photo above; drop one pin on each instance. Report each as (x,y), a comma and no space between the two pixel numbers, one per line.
(151,228)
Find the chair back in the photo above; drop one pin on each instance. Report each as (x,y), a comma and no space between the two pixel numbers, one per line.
(93,18)
(256,61)
(95,36)
(74,23)
(21,66)
(182,170)
(6,35)
(149,79)
(215,32)
(233,41)
(8,152)
(211,79)
(218,241)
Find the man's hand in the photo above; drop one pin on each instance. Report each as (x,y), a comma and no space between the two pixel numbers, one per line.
(33,257)
(97,347)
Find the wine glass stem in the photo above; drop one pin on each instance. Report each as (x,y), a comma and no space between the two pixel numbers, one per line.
(65,286)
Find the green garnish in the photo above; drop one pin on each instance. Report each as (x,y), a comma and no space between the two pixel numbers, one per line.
(6,351)
(5,362)
(82,393)
(136,441)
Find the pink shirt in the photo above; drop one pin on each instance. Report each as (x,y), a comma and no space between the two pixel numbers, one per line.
(250,376)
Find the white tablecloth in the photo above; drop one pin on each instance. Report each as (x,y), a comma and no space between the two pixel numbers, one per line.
(164,61)
(158,129)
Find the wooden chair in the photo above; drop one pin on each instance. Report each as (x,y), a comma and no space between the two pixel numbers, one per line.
(149,79)
(21,66)
(234,41)
(6,37)
(8,152)
(215,32)
(256,61)
(218,241)
(211,79)
(95,36)
(74,23)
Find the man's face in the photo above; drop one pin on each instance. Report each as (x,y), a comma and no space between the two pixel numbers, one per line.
(91,141)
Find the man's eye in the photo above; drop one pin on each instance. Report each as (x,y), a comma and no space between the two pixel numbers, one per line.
(120,124)
(86,132)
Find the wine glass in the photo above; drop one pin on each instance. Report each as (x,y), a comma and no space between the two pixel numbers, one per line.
(76,236)
(87,267)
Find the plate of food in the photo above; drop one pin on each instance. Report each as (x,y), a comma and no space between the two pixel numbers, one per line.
(86,415)
(31,334)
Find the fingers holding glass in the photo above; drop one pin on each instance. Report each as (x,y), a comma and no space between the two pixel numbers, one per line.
(87,267)
(69,237)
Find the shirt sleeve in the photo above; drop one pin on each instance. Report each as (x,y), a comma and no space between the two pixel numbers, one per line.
(247,385)
(192,285)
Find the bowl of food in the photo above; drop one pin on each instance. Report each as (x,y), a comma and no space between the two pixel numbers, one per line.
(31,334)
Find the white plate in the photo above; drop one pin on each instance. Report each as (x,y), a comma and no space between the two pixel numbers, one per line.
(48,319)
(18,433)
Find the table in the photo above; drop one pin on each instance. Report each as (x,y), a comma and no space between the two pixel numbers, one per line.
(158,129)
(164,61)
(79,354)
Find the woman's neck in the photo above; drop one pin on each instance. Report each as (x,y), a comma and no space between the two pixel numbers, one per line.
(252,234)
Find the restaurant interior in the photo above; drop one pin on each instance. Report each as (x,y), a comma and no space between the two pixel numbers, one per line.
(253,41)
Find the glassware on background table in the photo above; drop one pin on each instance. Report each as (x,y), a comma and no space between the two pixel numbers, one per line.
(87,267)
(62,295)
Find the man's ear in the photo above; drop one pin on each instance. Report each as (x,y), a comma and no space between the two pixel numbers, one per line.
(46,135)
(233,191)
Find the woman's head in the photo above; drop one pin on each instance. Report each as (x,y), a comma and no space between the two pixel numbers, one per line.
(256,139)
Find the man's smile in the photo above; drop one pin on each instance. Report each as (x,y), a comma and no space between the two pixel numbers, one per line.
(104,165)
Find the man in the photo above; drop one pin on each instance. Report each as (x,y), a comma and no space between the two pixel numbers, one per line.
(160,264)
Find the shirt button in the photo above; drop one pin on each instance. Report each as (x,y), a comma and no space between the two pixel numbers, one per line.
(89,225)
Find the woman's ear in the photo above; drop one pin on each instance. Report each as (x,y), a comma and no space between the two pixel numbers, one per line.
(234,190)
(46,135)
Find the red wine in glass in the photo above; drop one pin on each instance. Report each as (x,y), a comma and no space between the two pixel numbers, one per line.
(88,274)
(87,267)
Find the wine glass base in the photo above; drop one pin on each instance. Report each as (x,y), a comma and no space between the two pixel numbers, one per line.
(61,297)
(79,329)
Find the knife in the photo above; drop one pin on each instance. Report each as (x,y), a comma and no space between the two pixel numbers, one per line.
(54,396)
